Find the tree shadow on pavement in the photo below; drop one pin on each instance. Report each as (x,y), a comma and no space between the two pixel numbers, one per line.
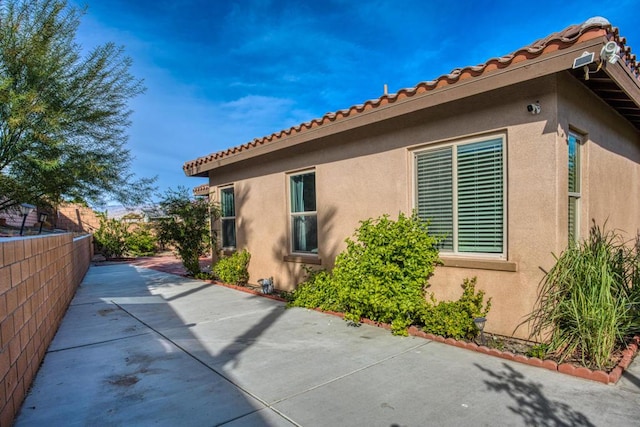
(530,402)
(242,342)
(128,340)
(631,378)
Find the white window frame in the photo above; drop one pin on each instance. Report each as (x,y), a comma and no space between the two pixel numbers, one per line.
(454,154)
(228,218)
(292,214)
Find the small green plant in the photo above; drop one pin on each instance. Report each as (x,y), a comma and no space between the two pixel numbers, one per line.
(497,343)
(111,237)
(234,268)
(454,319)
(538,350)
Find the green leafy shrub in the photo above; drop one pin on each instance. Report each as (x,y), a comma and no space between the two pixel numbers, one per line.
(186,226)
(234,269)
(382,275)
(454,319)
(111,237)
(317,291)
(141,242)
(203,275)
(589,300)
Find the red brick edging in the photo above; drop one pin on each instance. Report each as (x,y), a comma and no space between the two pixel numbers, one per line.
(564,368)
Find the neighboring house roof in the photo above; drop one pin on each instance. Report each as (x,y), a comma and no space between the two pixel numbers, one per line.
(620,91)
(201,190)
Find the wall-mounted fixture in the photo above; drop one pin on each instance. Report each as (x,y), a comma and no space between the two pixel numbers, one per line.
(25,210)
(583,60)
(534,108)
(610,52)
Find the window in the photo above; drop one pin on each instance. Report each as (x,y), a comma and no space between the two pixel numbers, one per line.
(228,217)
(304,223)
(574,187)
(460,189)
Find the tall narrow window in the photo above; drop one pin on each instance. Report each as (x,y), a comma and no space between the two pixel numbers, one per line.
(304,223)
(228,217)
(574,187)
(460,190)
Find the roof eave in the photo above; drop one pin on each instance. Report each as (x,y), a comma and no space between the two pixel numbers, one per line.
(516,72)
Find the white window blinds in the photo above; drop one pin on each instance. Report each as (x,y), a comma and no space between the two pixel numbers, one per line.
(460,190)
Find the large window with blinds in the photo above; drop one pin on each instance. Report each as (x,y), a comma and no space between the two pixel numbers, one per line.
(574,187)
(304,222)
(228,217)
(460,190)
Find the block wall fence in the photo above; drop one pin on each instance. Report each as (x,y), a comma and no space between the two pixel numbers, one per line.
(38,279)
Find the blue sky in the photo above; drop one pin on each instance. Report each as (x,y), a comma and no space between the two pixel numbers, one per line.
(221,73)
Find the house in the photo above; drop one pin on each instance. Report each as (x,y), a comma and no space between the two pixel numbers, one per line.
(201,190)
(511,159)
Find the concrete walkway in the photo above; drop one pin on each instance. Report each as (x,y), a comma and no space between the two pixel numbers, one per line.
(141,347)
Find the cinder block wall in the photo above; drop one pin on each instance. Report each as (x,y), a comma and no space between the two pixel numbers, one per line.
(72,217)
(38,278)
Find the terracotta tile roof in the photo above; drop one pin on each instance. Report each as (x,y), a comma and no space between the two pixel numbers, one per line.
(590,29)
(201,190)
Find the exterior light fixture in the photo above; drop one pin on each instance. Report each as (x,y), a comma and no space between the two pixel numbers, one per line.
(25,210)
(42,217)
(480,322)
(267,285)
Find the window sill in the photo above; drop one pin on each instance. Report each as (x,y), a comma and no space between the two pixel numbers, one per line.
(303,259)
(228,251)
(480,264)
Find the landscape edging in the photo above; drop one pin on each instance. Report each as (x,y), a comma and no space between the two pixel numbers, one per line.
(564,368)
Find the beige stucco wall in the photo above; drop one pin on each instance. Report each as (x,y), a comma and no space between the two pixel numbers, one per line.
(365,173)
(610,164)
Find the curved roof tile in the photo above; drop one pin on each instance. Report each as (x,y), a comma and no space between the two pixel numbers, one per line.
(556,41)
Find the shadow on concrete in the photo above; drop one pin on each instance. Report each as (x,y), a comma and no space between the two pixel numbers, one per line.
(130,359)
(242,342)
(633,379)
(530,402)
(189,292)
(217,361)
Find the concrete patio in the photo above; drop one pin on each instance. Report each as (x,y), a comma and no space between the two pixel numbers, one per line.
(142,347)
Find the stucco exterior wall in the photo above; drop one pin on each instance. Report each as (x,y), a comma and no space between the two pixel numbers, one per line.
(368,172)
(611,160)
